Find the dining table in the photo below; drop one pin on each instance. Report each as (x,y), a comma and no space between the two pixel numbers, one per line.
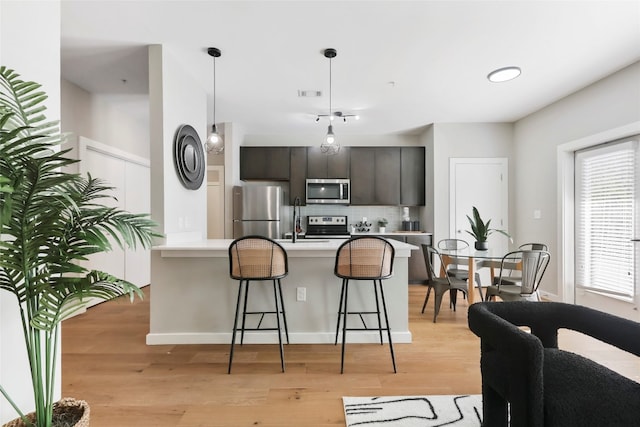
(490,258)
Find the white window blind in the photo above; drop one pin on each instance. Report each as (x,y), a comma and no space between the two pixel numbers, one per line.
(607,218)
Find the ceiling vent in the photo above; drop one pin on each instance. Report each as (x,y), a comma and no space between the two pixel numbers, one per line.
(309,93)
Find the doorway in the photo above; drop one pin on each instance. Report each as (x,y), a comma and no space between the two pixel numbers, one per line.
(483,183)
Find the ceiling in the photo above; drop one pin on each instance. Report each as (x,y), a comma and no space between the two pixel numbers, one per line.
(400,65)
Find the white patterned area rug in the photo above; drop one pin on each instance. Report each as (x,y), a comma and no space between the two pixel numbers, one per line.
(414,411)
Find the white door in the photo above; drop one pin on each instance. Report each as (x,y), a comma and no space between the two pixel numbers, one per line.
(215,202)
(112,171)
(130,177)
(483,183)
(137,200)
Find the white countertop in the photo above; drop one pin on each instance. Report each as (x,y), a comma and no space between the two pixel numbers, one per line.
(302,248)
(392,233)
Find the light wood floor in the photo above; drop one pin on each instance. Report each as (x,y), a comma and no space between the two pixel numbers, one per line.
(127,383)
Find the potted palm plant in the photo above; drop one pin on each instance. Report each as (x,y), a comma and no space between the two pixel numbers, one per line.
(481,231)
(50,221)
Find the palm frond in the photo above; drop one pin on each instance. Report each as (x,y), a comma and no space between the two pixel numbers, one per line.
(64,296)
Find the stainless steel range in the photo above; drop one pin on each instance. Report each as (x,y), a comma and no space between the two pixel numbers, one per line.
(327,227)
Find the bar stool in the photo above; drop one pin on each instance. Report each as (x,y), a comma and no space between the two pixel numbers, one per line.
(257,258)
(364,258)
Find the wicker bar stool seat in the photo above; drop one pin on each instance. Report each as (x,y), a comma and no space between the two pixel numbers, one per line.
(257,258)
(364,258)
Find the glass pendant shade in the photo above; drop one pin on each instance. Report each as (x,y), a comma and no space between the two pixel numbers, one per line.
(215,143)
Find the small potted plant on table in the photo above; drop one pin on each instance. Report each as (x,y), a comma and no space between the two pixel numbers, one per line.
(382,225)
(481,230)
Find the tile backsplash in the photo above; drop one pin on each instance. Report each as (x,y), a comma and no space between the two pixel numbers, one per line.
(355,214)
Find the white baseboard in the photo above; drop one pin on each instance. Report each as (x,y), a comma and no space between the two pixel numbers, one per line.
(272,338)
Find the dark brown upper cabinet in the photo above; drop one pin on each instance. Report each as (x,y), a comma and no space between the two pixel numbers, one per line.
(375,176)
(264,163)
(320,165)
(298,174)
(412,176)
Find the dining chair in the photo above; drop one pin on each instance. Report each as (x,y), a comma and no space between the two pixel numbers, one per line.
(533,247)
(514,276)
(364,258)
(532,265)
(457,266)
(440,285)
(254,259)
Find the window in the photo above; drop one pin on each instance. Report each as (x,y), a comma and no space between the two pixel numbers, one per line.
(607,218)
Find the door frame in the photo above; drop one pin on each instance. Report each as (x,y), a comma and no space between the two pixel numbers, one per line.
(566,196)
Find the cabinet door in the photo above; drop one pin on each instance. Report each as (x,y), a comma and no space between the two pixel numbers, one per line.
(264,163)
(412,176)
(298,174)
(320,165)
(362,173)
(387,175)
(316,163)
(338,164)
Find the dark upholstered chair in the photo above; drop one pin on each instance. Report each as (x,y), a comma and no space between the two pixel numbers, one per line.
(526,375)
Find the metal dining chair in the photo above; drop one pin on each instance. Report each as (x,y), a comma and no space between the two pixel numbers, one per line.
(364,258)
(532,264)
(440,285)
(251,259)
(454,266)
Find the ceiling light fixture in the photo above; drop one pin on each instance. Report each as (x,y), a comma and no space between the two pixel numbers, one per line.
(215,143)
(330,146)
(504,74)
(339,115)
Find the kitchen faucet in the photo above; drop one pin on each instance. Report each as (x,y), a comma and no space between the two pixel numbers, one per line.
(296,219)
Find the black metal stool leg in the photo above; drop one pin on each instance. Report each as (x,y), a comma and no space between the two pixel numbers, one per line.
(344,323)
(284,314)
(244,310)
(386,319)
(279,331)
(235,327)
(340,310)
(375,291)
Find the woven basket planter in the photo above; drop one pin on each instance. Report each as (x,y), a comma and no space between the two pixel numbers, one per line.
(67,412)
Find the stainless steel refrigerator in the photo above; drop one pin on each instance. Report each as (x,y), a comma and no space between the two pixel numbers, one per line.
(257,210)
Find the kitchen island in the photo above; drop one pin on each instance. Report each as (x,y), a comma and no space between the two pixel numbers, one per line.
(193,298)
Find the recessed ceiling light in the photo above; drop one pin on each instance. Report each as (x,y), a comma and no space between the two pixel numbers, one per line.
(504,74)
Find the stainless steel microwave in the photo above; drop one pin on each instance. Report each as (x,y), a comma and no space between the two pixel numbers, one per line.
(328,191)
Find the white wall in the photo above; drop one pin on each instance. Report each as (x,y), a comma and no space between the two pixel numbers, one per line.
(610,103)
(464,140)
(30,44)
(175,100)
(113,120)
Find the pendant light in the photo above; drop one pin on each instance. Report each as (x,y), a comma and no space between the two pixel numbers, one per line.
(215,143)
(330,146)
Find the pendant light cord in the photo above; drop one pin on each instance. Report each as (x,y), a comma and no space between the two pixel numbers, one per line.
(330,59)
(214,91)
